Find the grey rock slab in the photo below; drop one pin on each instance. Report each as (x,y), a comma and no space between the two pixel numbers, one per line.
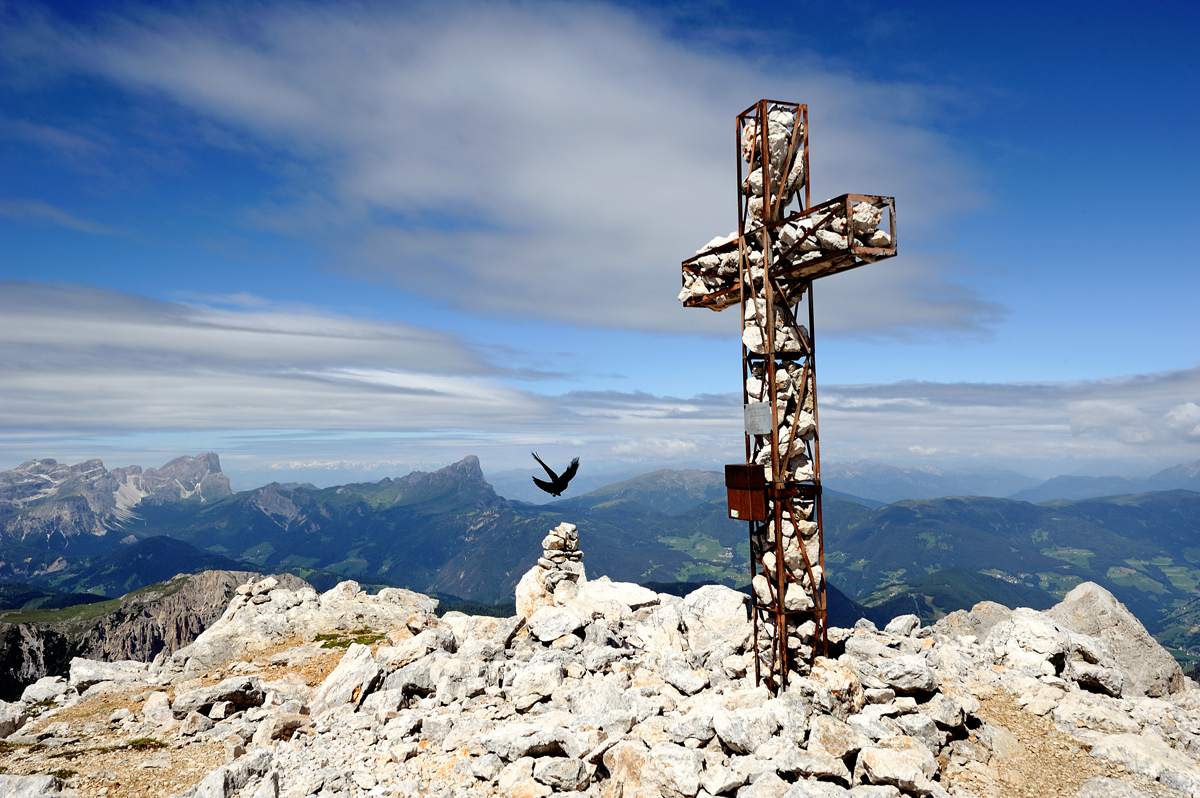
(682,766)
(1146,667)
(835,738)
(46,688)
(486,767)
(744,730)
(87,672)
(697,724)
(717,779)
(1148,756)
(516,740)
(350,682)
(550,623)
(537,679)
(874,791)
(1101,787)
(12,718)
(633,596)
(816,789)
(907,674)
(561,773)
(243,692)
(902,625)
(768,785)
(1187,783)
(677,673)
(1079,709)
(908,770)
(279,726)
(944,711)
(194,723)
(714,614)
(227,780)
(29,786)
(816,764)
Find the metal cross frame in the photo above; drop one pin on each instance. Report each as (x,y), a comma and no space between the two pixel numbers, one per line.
(767,267)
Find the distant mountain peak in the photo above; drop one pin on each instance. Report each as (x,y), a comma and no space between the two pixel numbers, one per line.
(42,498)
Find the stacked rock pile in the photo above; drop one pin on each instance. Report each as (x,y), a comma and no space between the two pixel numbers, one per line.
(620,692)
(558,571)
(561,556)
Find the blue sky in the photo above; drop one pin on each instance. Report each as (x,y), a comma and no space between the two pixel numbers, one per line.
(342,240)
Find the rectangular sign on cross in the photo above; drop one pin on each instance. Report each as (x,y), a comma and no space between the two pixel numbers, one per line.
(767,267)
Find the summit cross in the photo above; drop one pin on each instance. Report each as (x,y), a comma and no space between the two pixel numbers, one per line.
(782,244)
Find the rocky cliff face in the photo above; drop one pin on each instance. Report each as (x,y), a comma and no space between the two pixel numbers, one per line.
(161,618)
(49,504)
(615,691)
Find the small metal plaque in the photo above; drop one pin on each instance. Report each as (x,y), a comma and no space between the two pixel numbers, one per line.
(758,418)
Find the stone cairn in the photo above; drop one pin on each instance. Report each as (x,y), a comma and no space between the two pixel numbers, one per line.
(561,559)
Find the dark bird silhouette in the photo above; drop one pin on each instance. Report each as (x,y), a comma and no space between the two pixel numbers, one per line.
(557,484)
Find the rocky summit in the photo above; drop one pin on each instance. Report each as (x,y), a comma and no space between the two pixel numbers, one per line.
(611,690)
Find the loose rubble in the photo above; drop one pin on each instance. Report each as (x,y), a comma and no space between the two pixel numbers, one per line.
(613,691)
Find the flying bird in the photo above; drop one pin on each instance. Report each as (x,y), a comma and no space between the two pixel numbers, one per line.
(557,484)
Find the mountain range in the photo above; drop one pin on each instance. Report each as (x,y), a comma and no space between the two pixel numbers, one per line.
(448,532)
(890,483)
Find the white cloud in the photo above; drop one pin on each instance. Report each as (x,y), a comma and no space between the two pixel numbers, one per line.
(668,449)
(1184,420)
(45,213)
(548,159)
(84,371)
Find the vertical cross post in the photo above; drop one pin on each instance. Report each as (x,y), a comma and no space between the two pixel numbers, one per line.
(767,267)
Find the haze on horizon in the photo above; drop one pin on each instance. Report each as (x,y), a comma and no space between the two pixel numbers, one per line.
(356,239)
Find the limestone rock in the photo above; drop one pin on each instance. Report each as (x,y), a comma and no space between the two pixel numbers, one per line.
(241,691)
(744,730)
(830,736)
(87,672)
(550,623)
(46,688)
(350,682)
(907,674)
(194,723)
(1101,787)
(1140,754)
(561,773)
(12,718)
(29,786)
(250,626)
(1147,669)
(532,595)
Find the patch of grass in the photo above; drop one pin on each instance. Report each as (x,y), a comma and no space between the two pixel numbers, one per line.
(37,709)
(362,636)
(62,773)
(1182,577)
(144,744)
(1080,558)
(1129,577)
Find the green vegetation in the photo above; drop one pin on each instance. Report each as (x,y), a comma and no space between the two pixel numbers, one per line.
(1132,577)
(1077,557)
(363,636)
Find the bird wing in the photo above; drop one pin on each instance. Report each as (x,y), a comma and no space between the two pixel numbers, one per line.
(543,465)
(544,485)
(569,474)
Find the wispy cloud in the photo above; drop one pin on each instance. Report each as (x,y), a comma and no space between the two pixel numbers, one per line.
(307,388)
(555,160)
(36,211)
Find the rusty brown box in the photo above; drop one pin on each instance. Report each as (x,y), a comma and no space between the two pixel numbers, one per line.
(746,486)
